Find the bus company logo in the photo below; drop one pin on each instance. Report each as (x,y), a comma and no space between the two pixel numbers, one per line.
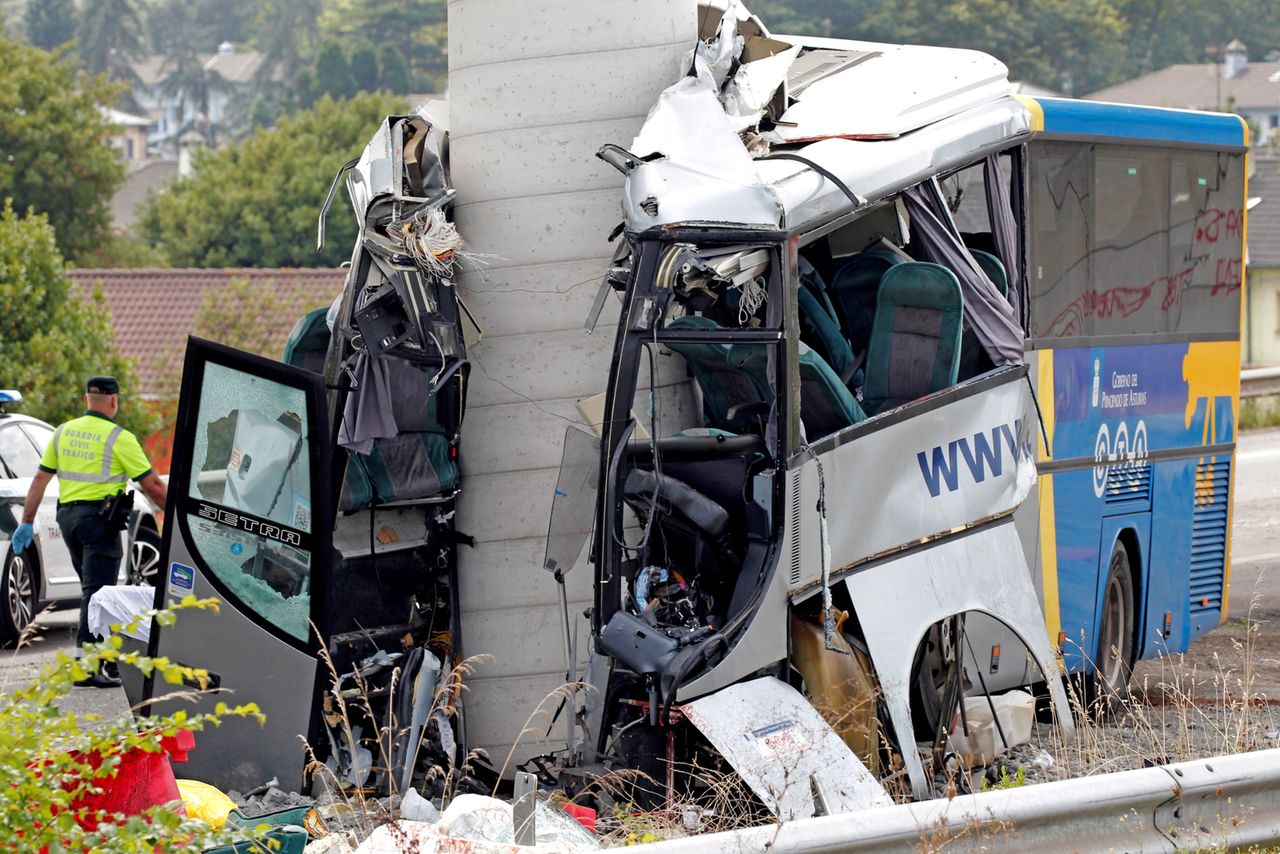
(1117,456)
(983,455)
(182,577)
(250,524)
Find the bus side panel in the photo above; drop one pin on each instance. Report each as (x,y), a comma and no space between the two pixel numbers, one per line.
(1079,515)
(1172,485)
(1135,530)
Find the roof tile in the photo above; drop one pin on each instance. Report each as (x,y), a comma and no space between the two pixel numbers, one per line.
(153,310)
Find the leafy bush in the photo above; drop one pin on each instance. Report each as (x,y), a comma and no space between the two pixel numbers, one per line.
(51,337)
(51,760)
(255,203)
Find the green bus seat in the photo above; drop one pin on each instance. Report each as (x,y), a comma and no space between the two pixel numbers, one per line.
(826,404)
(723,385)
(855,285)
(915,342)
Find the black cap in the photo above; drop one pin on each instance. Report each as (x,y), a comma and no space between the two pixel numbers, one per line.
(102,385)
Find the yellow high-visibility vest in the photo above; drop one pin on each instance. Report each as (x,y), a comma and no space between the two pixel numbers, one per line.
(93,458)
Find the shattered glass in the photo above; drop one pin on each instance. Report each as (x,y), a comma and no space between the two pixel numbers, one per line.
(251,456)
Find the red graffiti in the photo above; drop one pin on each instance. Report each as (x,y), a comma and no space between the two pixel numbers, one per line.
(1213,224)
(1226,277)
(1121,301)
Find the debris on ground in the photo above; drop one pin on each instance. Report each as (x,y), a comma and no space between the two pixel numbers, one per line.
(272,800)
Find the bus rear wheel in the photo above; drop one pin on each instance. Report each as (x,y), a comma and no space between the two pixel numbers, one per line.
(1108,685)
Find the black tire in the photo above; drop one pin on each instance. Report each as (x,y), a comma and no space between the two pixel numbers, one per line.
(144,557)
(928,680)
(1108,683)
(18,588)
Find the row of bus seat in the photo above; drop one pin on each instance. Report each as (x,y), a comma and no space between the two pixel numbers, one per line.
(903,319)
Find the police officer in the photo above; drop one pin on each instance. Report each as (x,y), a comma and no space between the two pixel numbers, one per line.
(93,458)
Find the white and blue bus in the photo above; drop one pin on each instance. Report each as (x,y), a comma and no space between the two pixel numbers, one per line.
(899,342)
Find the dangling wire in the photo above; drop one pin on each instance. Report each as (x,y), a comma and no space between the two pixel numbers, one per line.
(828,610)
(753,294)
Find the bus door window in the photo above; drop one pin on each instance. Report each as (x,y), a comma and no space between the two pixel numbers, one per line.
(251,465)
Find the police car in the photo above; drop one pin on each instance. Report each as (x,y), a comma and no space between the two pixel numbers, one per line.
(43,574)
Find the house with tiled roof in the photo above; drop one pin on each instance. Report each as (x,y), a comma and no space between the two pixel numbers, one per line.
(154,310)
(171,115)
(1237,85)
(1262,291)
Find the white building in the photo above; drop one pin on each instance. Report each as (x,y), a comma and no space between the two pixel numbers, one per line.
(170,115)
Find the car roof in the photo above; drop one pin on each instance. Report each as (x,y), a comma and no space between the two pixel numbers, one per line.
(15,417)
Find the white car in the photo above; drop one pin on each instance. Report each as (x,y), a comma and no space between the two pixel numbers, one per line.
(42,574)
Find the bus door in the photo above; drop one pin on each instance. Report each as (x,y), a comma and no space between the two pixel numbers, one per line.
(247,522)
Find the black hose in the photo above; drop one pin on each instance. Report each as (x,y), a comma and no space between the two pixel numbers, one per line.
(857,200)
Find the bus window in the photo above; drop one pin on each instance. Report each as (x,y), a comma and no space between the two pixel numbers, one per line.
(1131,210)
(966,195)
(1205,239)
(1060,213)
(1132,240)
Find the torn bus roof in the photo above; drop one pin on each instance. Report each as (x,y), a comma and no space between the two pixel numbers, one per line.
(897,88)
(860,111)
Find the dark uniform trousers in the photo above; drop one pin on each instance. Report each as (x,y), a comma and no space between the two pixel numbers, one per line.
(95,553)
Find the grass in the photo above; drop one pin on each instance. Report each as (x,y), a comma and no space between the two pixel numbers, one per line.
(1259,412)
(1185,712)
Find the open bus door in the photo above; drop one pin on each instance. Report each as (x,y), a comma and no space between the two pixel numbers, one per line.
(249,517)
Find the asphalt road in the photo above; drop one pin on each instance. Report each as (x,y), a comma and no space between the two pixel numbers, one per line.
(1255,597)
(1255,548)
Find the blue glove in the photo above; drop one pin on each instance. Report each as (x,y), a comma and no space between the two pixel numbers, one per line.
(22,537)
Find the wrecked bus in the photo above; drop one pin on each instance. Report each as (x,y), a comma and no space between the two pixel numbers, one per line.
(315,499)
(868,297)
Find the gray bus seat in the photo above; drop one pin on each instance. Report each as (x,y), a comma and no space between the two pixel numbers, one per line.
(826,404)
(673,496)
(915,342)
(723,385)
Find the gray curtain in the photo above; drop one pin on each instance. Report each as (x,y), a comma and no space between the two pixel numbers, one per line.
(935,237)
(1004,228)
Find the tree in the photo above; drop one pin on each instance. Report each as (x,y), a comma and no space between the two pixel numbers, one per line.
(332,75)
(284,31)
(364,67)
(416,28)
(185,79)
(52,337)
(109,35)
(393,71)
(56,157)
(50,23)
(254,203)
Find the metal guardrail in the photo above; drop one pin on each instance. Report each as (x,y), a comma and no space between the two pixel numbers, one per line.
(1256,382)
(1226,801)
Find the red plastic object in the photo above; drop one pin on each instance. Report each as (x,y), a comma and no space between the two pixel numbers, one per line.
(586,816)
(144,780)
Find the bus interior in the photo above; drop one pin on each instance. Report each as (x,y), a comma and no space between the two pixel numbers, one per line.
(880,326)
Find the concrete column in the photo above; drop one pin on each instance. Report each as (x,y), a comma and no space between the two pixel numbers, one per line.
(534,90)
